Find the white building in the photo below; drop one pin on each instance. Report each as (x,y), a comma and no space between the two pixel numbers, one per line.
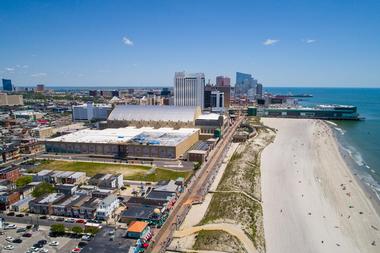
(106,207)
(189,89)
(91,111)
(217,100)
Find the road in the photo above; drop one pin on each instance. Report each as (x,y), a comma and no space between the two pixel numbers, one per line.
(194,192)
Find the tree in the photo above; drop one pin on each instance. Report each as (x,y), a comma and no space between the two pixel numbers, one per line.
(77,230)
(24,180)
(43,189)
(91,230)
(58,229)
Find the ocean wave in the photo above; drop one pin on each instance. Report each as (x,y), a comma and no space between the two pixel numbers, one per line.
(340,130)
(355,155)
(331,123)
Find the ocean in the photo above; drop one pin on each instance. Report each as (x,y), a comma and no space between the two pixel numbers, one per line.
(360,140)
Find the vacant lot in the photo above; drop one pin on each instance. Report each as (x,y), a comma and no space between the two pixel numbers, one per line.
(130,172)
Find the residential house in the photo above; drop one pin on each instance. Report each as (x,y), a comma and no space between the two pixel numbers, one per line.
(107,207)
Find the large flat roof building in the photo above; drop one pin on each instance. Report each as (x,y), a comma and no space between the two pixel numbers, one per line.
(144,142)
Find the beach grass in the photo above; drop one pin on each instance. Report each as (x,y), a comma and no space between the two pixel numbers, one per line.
(242,174)
(217,240)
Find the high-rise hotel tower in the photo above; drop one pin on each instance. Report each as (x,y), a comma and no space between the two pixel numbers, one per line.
(189,89)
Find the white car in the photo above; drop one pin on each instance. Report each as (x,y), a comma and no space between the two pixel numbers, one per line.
(44,250)
(9,239)
(10,226)
(9,247)
(54,243)
(86,238)
(70,220)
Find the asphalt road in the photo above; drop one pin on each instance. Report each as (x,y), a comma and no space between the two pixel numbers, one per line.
(195,191)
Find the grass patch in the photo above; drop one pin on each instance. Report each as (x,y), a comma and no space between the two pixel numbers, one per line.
(237,207)
(217,240)
(159,174)
(130,172)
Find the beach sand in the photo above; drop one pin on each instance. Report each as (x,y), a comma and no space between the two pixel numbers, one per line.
(311,200)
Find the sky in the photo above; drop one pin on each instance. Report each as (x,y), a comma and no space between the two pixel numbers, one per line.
(142,43)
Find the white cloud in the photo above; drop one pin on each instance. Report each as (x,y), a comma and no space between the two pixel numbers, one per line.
(9,69)
(38,74)
(270,42)
(127,41)
(309,41)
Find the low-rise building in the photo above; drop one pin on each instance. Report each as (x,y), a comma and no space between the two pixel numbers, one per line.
(42,132)
(107,207)
(22,205)
(7,198)
(60,177)
(91,111)
(108,181)
(43,205)
(138,229)
(11,173)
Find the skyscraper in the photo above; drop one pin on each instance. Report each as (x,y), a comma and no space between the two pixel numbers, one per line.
(223,85)
(189,89)
(223,81)
(7,85)
(259,90)
(244,82)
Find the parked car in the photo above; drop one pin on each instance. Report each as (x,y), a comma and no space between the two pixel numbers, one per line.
(42,242)
(43,250)
(18,240)
(10,226)
(9,239)
(54,243)
(9,247)
(27,235)
(20,215)
(59,219)
(11,214)
(76,250)
(20,230)
(70,220)
(86,237)
(38,246)
(80,221)
(29,226)
(43,217)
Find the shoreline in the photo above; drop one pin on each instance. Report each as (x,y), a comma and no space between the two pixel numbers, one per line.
(324,208)
(355,169)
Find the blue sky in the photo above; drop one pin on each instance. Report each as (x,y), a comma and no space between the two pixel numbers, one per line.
(131,43)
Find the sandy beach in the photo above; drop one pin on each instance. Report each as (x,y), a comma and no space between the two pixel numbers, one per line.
(311,200)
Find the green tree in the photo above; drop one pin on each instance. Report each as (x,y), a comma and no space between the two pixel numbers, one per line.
(77,230)
(58,229)
(24,180)
(43,189)
(91,230)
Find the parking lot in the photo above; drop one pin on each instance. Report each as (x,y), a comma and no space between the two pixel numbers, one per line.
(65,244)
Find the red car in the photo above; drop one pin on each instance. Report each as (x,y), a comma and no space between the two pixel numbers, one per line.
(76,250)
(81,221)
(27,235)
